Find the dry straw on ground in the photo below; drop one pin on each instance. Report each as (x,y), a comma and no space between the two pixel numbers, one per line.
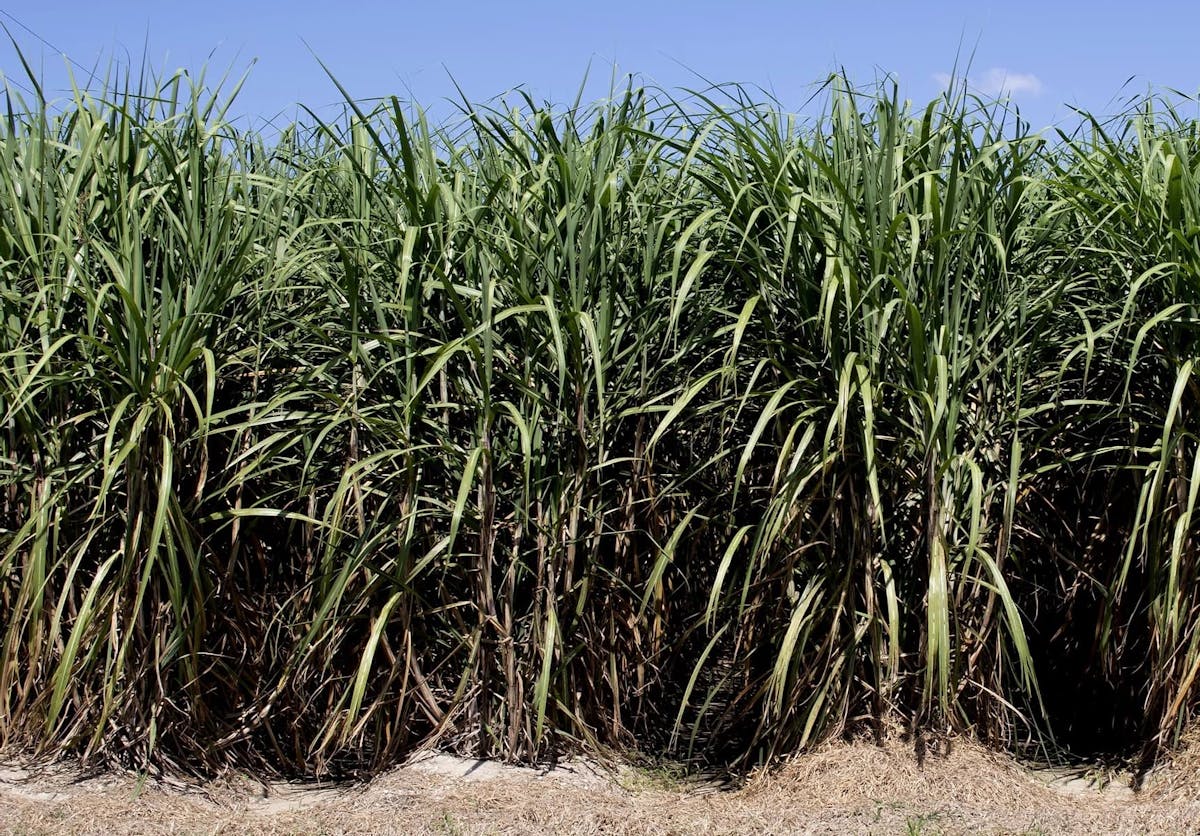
(842,788)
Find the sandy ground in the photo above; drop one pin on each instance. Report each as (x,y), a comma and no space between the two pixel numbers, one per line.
(843,788)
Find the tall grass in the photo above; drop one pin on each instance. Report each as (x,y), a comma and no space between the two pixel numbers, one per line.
(673,425)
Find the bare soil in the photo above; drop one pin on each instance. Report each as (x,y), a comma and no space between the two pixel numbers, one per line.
(842,788)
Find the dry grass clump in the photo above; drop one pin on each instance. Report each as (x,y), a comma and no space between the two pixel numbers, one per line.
(1176,778)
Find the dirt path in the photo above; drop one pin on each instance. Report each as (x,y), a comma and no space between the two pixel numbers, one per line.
(847,788)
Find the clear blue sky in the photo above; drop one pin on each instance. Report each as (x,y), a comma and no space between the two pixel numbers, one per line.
(1045,53)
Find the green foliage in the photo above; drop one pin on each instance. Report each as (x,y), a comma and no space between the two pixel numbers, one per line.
(656,423)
